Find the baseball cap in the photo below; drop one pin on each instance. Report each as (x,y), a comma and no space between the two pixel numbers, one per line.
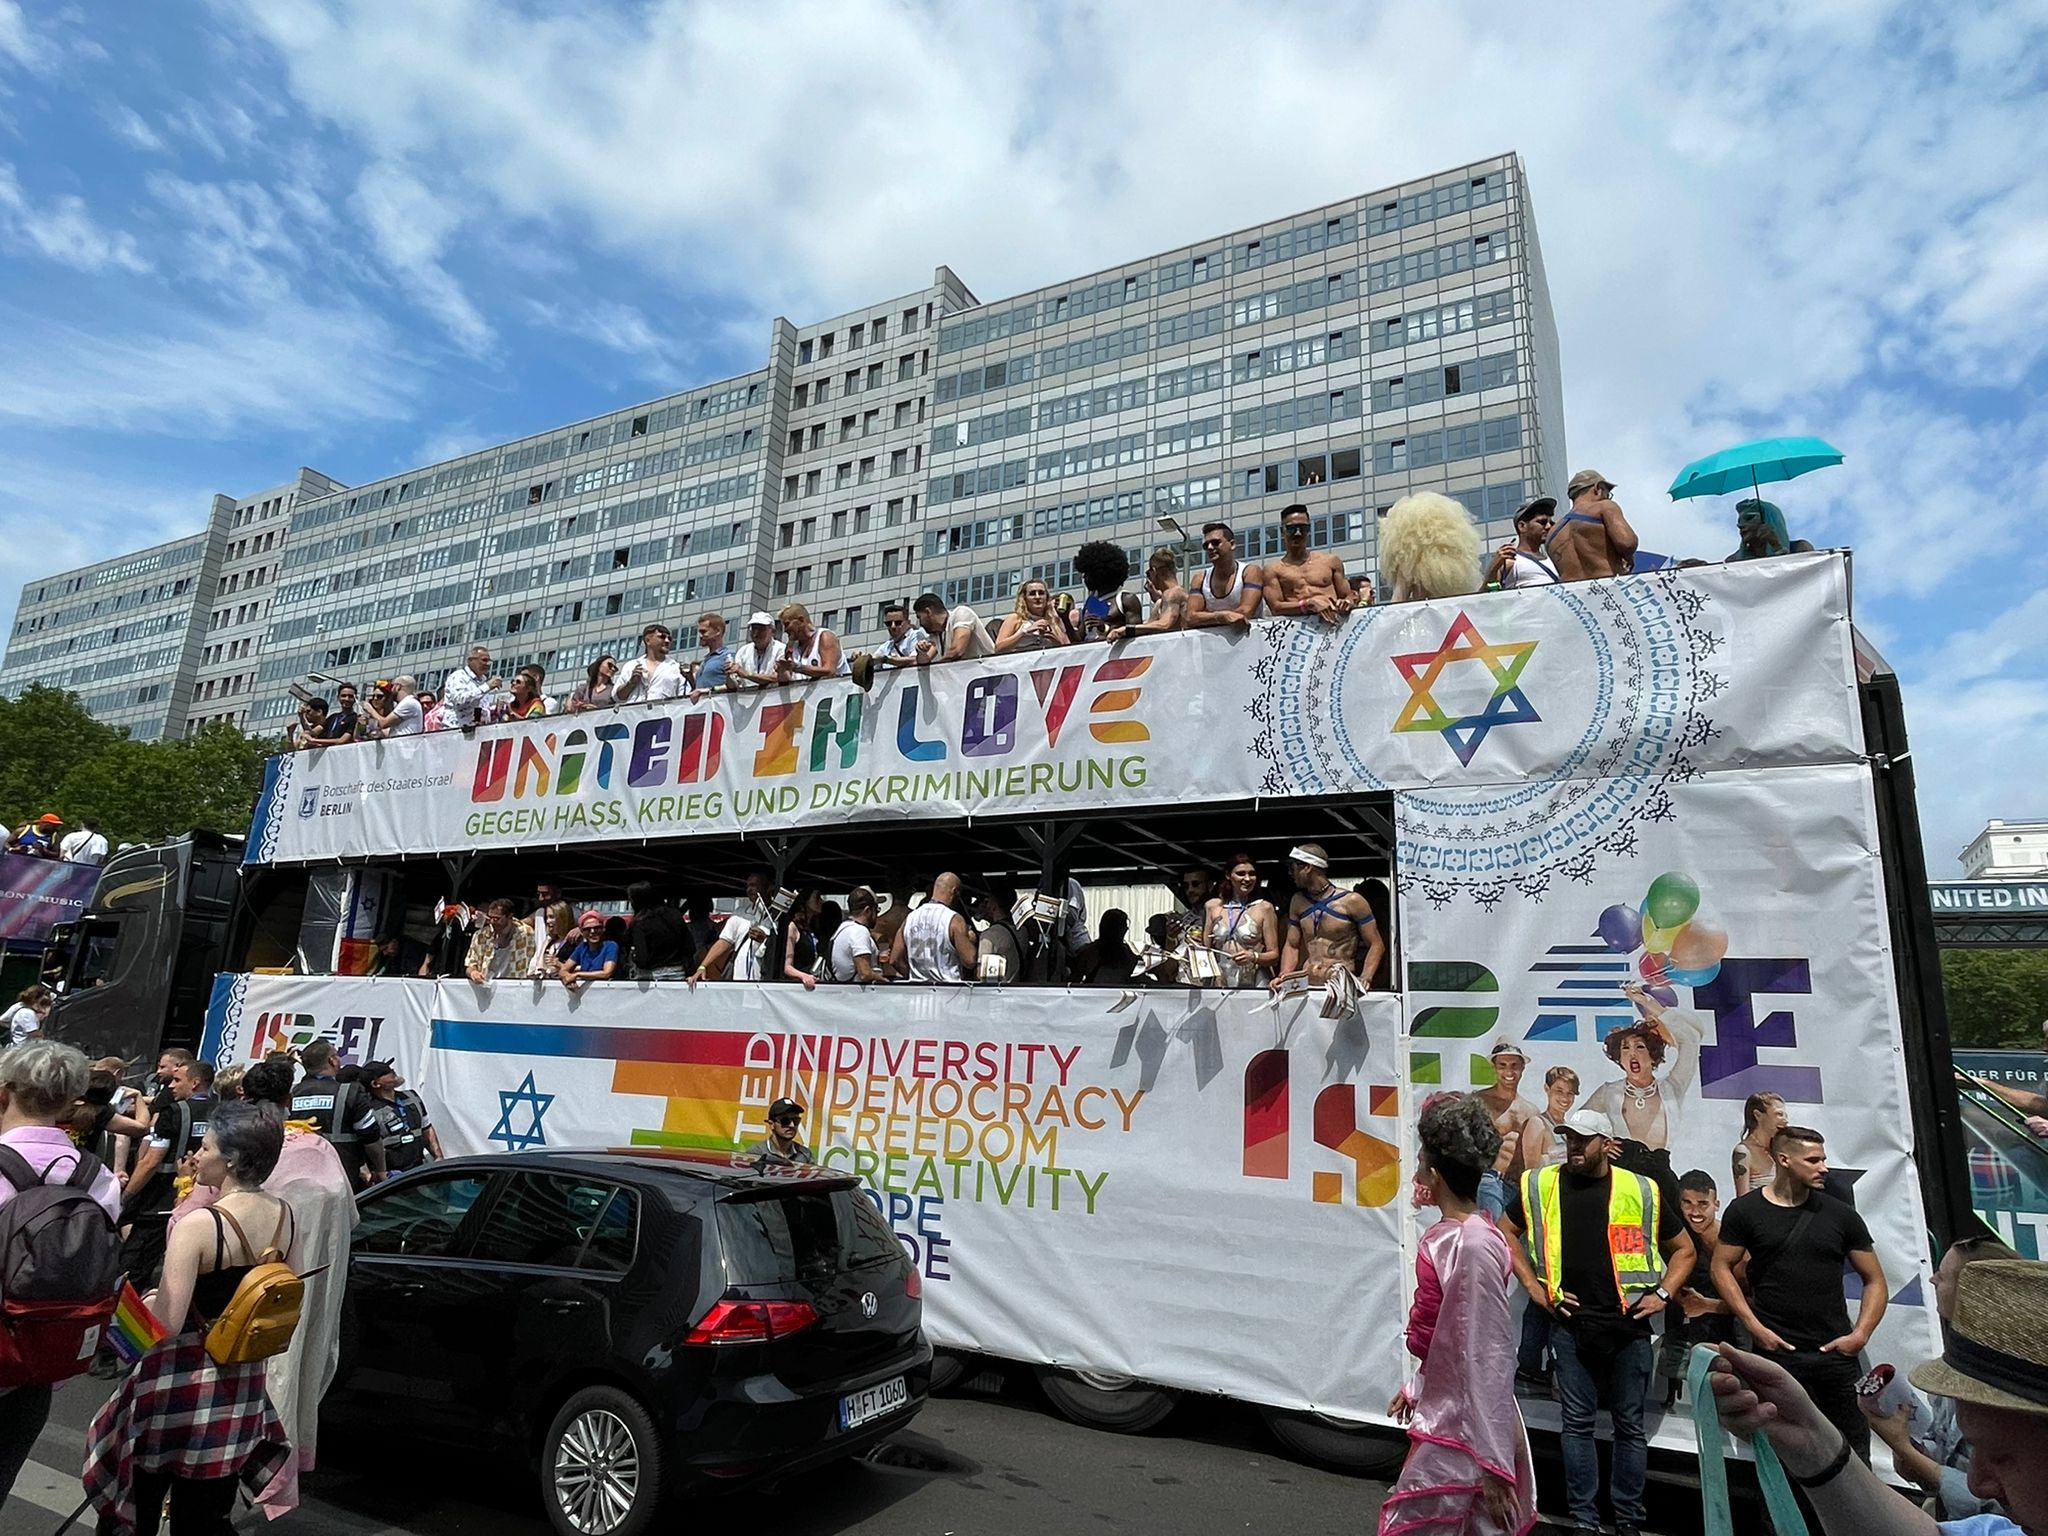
(1506,1047)
(1586,1122)
(761,618)
(377,1071)
(1586,479)
(49,819)
(1536,506)
(784,1107)
(592,916)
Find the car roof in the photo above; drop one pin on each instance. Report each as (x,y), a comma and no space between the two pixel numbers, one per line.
(712,1171)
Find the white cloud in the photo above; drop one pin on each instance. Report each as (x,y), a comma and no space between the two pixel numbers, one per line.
(133,130)
(286,367)
(62,230)
(410,227)
(18,44)
(622,329)
(234,234)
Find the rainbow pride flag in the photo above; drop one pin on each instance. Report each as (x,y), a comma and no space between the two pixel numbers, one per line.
(134,1330)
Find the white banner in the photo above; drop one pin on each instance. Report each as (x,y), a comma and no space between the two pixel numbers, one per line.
(1751,907)
(1200,1190)
(1628,682)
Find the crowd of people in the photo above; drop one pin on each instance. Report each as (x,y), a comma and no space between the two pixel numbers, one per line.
(1430,547)
(1233,930)
(45,838)
(1566,1206)
(203,1174)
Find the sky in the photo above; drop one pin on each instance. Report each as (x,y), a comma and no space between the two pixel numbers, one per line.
(238,236)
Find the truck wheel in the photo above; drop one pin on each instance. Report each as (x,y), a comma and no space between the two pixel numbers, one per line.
(1102,1400)
(1338,1443)
(601,1465)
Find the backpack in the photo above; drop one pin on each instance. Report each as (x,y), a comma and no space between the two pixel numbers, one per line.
(263,1314)
(60,1272)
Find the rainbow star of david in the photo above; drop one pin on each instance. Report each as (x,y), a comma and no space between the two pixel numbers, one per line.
(1462,642)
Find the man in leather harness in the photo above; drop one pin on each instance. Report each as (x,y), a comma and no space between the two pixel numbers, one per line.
(341,1112)
(1327,928)
(1595,1232)
(1593,538)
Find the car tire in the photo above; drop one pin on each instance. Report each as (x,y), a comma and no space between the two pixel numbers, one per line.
(1103,1401)
(601,1465)
(949,1368)
(1337,1444)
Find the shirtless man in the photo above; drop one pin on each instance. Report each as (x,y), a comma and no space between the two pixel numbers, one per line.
(1229,590)
(1309,583)
(1592,539)
(1325,925)
(1514,1117)
(1169,599)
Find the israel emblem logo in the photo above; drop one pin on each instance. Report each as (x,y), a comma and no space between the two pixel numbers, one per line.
(309,802)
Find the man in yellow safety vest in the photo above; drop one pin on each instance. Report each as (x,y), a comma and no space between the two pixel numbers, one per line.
(1604,1256)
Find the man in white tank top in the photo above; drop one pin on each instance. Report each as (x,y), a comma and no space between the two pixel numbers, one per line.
(1230,591)
(808,652)
(936,943)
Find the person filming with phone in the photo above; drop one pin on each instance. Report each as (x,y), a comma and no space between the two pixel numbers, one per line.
(1604,1256)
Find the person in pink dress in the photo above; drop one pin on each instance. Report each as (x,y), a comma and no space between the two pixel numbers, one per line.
(1468,1467)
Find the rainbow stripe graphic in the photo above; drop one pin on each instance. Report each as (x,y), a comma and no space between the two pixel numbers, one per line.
(134,1330)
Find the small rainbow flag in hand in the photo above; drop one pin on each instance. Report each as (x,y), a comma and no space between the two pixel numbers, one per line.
(134,1330)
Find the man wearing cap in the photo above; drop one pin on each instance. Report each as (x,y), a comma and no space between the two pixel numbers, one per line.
(1325,925)
(409,1134)
(1518,1121)
(1522,563)
(653,674)
(780,1144)
(1795,1240)
(1592,539)
(38,838)
(1595,1233)
(1994,1365)
(595,957)
(754,665)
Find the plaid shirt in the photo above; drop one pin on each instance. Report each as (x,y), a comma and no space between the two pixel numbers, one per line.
(179,1412)
(484,951)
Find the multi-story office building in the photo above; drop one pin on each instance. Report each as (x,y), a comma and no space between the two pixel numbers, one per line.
(149,640)
(1340,357)
(2007,850)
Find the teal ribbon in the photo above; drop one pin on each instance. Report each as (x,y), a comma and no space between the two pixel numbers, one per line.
(1786,1518)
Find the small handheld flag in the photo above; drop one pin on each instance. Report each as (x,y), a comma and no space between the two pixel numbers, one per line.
(135,1329)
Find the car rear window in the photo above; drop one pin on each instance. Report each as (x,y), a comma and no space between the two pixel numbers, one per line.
(801,1236)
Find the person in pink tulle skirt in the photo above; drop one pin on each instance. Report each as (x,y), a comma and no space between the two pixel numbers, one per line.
(1468,1457)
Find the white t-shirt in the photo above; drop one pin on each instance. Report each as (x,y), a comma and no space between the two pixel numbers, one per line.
(22,1022)
(747,953)
(852,939)
(643,680)
(83,847)
(406,718)
(1527,570)
(978,643)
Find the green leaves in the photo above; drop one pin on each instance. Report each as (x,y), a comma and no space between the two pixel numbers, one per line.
(1996,997)
(56,757)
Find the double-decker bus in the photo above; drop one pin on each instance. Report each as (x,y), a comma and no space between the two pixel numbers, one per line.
(1656,832)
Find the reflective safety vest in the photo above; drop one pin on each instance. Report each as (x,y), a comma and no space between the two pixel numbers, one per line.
(1631,1230)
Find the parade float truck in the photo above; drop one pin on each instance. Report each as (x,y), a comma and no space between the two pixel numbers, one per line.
(1692,784)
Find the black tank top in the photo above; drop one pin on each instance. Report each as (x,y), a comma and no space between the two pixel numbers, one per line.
(212,1291)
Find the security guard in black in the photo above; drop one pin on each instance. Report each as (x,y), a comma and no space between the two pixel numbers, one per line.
(341,1112)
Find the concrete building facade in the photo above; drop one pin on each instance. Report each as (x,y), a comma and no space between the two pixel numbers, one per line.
(1341,357)
(2007,850)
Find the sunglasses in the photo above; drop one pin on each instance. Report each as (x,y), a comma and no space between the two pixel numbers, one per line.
(789,1121)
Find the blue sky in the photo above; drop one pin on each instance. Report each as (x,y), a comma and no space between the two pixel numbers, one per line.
(241,235)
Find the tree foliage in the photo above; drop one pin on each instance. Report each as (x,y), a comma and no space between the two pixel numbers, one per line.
(1997,998)
(56,757)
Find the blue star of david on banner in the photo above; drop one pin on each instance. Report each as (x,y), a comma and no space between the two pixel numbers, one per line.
(525,1095)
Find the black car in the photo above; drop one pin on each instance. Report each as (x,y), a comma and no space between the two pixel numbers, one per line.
(636,1320)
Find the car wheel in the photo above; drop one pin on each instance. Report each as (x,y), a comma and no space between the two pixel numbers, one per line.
(601,1465)
(949,1369)
(1337,1443)
(1102,1400)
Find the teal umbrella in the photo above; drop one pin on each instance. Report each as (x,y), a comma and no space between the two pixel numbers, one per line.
(1748,466)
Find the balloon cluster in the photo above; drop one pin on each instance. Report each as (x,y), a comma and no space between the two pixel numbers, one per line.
(1679,948)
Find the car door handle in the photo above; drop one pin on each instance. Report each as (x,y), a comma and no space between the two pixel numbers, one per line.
(405,1288)
(561,1304)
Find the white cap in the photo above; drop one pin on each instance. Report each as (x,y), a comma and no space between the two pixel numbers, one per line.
(1506,1047)
(1586,1122)
(761,618)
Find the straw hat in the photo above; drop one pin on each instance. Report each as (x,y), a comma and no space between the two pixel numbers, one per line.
(1996,1350)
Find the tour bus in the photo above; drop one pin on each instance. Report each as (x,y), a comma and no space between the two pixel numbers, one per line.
(1655,834)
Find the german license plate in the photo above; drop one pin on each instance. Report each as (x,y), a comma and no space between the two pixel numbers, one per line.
(857,1408)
